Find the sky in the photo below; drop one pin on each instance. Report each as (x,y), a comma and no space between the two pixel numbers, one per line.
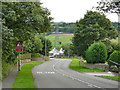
(72,10)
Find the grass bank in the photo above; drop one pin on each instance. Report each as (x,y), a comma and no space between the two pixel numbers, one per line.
(25,77)
(75,66)
(116,77)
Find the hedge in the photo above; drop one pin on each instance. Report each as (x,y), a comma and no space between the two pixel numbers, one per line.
(25,56)
(115,56)
(33,55)
(96,53)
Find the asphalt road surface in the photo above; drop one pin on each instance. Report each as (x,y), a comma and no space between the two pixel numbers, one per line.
(57,74)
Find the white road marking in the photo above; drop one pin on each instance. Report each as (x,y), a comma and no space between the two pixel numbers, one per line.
(89,84)
(45,72)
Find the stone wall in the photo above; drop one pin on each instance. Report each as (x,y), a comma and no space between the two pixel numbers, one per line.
(98,66)
(37,58)
(25,61)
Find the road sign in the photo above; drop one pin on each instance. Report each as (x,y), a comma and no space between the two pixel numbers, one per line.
(19,46)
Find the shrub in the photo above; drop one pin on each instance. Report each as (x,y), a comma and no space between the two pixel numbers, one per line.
(36,55)
(96,53)
(24,56)
(115,56)
(115,45)
(6,68)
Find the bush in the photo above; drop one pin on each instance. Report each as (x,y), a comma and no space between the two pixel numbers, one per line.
(115,45)
(24,56)
(6,68)
(96,53)
(36,55)
(115,56)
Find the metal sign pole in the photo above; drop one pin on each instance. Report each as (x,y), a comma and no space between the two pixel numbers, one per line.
(19,62)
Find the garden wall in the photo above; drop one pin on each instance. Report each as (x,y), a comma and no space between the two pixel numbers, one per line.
(98,66)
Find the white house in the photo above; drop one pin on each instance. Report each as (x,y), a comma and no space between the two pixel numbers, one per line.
(55,53)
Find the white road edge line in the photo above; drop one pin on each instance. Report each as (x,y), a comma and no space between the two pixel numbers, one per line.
(89,84)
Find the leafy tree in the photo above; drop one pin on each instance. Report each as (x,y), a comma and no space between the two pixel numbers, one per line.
(67,50)
(26,18)
(93,27)
(22,21)
(96,53)
(115,56)
(34,45)
(112,6)
(48,45)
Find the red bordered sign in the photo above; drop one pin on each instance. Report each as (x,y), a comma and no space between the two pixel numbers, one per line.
(19,46)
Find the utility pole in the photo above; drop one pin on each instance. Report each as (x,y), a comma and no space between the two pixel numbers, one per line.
(45,44)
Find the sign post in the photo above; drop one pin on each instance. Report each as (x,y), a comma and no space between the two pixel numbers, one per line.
(19,48)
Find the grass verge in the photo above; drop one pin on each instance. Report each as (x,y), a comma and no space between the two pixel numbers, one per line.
(116,77)
(75,66)
(24,78)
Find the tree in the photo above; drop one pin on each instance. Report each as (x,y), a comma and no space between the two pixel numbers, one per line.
(26,18)
(48,45)
(22,21)
(96,53)
(93,27)
(115,56)
(34,45)
(109,6)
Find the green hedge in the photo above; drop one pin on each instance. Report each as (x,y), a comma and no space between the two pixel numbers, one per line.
(25,56)
(115,45)
(96,53)
(33,55)
(115,56)
(6,68)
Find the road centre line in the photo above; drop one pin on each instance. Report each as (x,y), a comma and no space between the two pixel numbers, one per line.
(89,84)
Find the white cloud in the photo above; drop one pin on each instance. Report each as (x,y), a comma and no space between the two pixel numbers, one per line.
(70,10)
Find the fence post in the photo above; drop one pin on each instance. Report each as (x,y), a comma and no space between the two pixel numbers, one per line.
(109,65)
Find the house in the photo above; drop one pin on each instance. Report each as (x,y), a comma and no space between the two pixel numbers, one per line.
(55,53)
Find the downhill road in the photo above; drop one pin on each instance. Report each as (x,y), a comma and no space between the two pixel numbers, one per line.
(57,74)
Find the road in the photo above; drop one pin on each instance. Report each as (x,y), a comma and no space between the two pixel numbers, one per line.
(57,74)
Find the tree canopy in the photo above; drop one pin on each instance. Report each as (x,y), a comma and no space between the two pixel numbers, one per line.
(109,6)
(93,27)
(22,21)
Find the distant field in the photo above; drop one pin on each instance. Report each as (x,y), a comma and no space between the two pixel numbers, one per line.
(66,38)
(63,38)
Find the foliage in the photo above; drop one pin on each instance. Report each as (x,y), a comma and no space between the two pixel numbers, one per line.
(109,6)
(115,56)
(8,45)
(115,46)
(35,55)
(68,50)
(25,56)
(34,45)
(48,45)
(116,25)
(26,18)
(22,21)
(63,27)
(75,66)
(6,68)
(93,27)
(96,53)
(25,75)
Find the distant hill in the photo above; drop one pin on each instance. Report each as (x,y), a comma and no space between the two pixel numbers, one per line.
(64,27)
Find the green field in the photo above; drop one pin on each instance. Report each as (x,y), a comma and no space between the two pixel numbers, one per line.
(64,39)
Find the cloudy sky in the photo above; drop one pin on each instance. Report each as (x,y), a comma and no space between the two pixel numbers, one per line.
(71,10)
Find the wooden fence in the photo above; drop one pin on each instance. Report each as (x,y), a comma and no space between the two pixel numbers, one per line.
(114,63)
